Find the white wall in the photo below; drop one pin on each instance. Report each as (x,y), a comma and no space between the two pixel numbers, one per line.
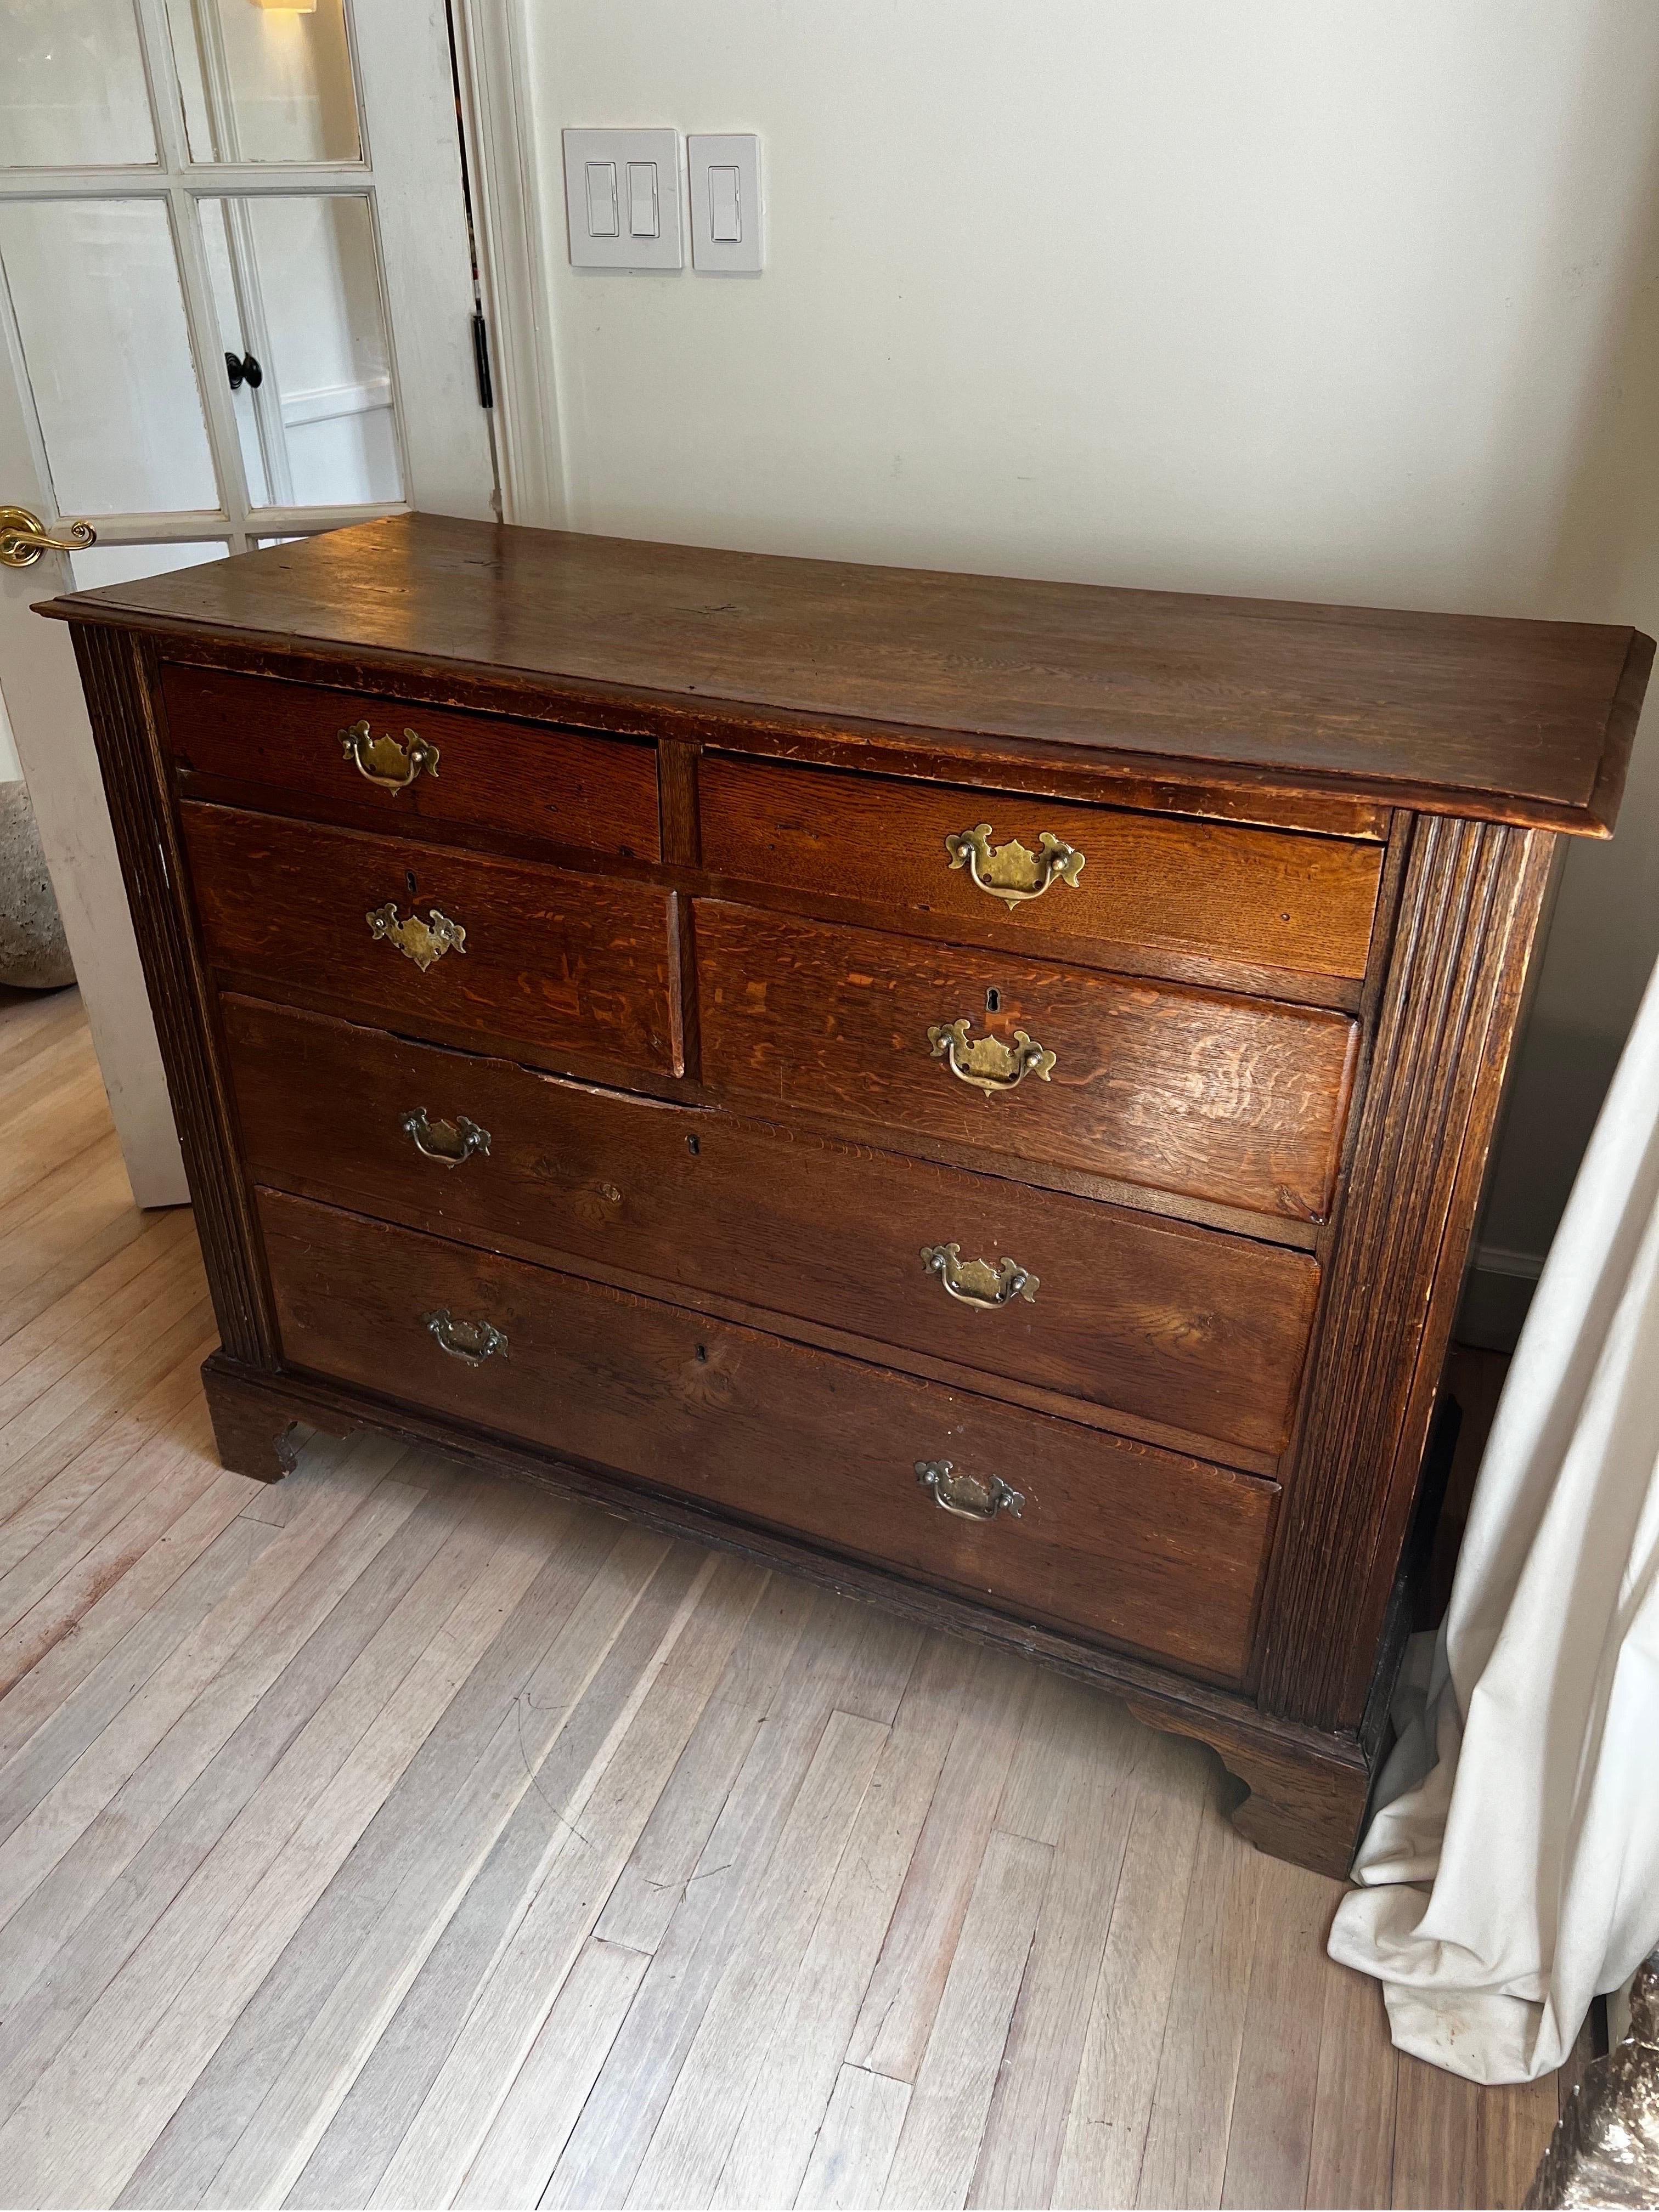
(1355,299)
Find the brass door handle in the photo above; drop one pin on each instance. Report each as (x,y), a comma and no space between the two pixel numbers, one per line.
(965,1496)
(24,537)
(978,1282)
(474,1341)
(988,1064)
(422,941)
(447,1142)
(1012,872)
(383,761)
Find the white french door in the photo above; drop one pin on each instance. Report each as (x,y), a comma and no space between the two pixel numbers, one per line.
(236,306)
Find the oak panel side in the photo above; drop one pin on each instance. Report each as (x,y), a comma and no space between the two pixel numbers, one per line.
(1468,913)
(116,673)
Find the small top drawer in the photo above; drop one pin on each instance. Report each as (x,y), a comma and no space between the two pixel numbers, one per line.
(1042,871)
(348,757)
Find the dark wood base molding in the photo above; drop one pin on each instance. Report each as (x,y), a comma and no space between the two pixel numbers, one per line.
(1307,1790)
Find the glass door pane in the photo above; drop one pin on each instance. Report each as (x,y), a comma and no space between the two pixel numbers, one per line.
(72,91)
(126,564)
(95,286)
(298,285)
(264,83)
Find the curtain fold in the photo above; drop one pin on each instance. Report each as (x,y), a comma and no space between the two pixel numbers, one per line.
(1511,1871)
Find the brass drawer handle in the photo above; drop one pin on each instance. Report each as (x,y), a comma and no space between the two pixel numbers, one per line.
(383,760)
(448,1142)
(988,1064)
(964,1495)
(473,1341)
(1012,872)
(978,1282)
(423,941)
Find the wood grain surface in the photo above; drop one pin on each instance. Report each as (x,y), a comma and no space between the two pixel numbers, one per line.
(276,746)
(1196,1330)
(1219,1097)
(1159,1552)
(1259,896)
(1528,721)
(573,966)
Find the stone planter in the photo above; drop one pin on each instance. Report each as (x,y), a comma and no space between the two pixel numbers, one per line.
(34,956)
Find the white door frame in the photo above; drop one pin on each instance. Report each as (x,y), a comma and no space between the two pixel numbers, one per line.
(411,176)
(510,220)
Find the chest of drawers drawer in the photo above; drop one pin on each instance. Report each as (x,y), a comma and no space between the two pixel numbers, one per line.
(1218,1098)
(1182,1327)
(1096,881)
(355,757)
(1150,1550)
(452,944)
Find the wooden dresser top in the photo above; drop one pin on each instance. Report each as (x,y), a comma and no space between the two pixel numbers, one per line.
(1528,722)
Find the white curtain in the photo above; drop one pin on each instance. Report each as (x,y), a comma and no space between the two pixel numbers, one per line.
(1512,1871)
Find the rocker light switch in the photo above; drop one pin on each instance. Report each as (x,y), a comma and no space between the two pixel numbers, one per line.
(621,195)
(643,199)
(726,201)
(601,198)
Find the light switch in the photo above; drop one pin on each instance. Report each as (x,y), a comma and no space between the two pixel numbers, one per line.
(726,201)
(643,199)
(622,195)
(601,198)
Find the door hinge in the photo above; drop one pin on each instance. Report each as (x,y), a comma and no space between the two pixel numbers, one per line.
(481,361)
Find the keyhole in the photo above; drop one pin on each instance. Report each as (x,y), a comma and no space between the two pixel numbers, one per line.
(702,1352)
(993,1002)
(409,878)
(694,1145)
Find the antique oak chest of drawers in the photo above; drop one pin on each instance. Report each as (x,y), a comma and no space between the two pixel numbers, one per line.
(974,1091)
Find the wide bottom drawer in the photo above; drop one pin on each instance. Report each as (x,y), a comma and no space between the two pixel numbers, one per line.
(1142,1547)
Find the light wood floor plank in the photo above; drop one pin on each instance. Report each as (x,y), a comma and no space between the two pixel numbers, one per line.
(854,2153)
(848,1659)
(67,1377)
(650,1888)
(101,1301)
(691,2141)
(167,2009)
(1111,2107)
(1094,1752)
(1186,2156)
(944,2121)
(394,2008)
(898,2013)
(69,1570)
(102,1408)
(40,1928)
(773,2144)
(64,1507)
(1350,2160)
(55,1231)
(396,1855)
(114,1611)
(398,1545)
(602,1815)
(37,1842)
(1270,2144)
(1436,2117)
(549,2089)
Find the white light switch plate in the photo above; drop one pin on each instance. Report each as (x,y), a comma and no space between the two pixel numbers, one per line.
(726,201)
(621,198)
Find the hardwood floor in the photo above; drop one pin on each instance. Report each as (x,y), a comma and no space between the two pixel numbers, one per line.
(389,1837)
